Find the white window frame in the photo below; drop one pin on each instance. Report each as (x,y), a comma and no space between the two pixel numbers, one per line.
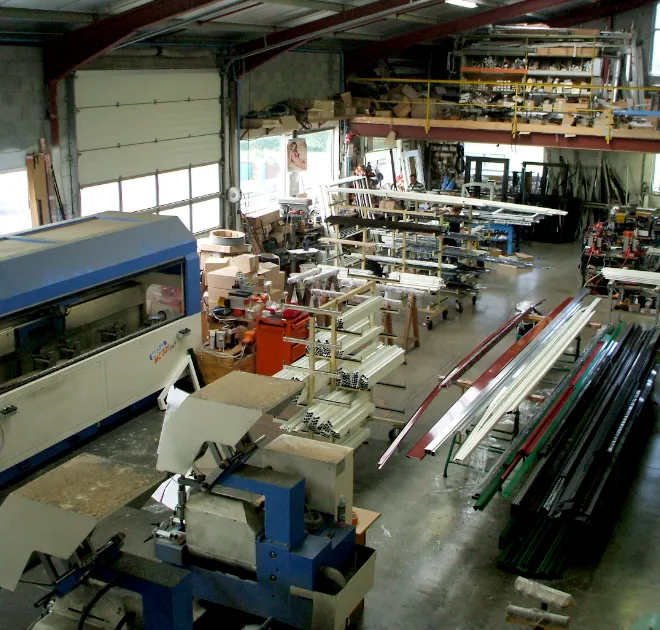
(189,201)
(655,50)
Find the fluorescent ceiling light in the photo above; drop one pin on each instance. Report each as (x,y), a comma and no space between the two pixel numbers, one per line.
(462,3)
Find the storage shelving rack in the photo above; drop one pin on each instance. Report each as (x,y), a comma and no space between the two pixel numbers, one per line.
(508,61)
(345,360)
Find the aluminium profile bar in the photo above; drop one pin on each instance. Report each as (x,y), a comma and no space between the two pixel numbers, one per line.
(523,380)
(455,416)
(453,201)
(463,366)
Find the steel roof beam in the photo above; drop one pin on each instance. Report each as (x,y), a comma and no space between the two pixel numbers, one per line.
(69,52)
(367,55)
(263,49)
(594,12)
(338,7)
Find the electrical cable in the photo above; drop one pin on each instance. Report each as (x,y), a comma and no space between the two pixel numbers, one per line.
(125,619)
(92,602)
(42,584)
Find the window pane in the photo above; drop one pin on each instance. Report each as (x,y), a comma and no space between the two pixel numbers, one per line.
(173,187)
(657,16)
(205,180)
(14,202)
(655,52)
(263,172)
(320,163)
(183,214)
(516,155)
(656,173)
(94,199)
(206,215)
(138,193)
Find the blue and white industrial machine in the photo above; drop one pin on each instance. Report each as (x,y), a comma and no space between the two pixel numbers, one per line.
(260,529)
(96,314)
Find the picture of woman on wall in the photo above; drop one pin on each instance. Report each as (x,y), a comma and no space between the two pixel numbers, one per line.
(296,156)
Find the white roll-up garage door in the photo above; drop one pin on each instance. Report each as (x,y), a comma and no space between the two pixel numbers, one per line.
(132,123)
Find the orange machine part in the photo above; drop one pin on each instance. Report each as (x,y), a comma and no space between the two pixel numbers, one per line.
(273,352)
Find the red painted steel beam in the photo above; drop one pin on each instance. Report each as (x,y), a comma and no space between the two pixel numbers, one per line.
(419,450)
(263,49)
(558,141)
(595,12)
(367,55)
(72,50)
(463,366)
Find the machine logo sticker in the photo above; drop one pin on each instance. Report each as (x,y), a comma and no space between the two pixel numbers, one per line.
(161,351)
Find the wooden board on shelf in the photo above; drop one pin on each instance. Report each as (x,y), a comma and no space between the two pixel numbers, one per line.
(514,72)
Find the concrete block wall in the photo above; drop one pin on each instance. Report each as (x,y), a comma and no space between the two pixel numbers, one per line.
(23,104)
(303,75)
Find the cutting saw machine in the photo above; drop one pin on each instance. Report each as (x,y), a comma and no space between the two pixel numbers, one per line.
(256,528)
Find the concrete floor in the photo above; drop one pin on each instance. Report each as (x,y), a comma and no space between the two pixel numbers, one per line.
(436,556)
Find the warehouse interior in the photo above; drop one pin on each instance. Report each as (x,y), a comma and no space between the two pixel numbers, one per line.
(329,315)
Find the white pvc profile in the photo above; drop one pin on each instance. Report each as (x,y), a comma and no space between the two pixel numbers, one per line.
(631,275)
(453,201)
(346,319)
(517,388)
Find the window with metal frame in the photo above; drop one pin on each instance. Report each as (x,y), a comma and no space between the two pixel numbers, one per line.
(192,194)
(15,212)
(655,46)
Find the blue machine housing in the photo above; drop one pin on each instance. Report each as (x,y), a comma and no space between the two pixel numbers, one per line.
(51,262)
(55,263)
(287,556)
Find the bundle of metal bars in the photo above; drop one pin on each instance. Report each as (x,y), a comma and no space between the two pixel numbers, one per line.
(355,314)
(389,303)
(361,334)
(338,415)
(509,380)
(373,363)
(572,455)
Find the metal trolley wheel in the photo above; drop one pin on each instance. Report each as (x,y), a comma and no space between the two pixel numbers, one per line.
(393,433)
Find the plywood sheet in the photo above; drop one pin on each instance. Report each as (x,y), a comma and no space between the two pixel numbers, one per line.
(250,391)
(91,485)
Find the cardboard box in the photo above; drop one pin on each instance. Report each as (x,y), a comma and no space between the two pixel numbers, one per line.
(213,263)
(525,257)
(205,245)
(215,295)
(418,110)
(262,218)
(494,252)
(276,295)
(387,204)
(280,281)
(402,110)
(247,263)
(269,272)
(222,278)
(410,92)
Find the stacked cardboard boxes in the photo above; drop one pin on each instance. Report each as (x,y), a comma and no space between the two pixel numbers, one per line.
(221,278)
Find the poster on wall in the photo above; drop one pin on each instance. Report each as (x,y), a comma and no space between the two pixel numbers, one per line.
(296,151)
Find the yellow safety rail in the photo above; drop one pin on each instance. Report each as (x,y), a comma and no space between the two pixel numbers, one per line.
(517,90)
